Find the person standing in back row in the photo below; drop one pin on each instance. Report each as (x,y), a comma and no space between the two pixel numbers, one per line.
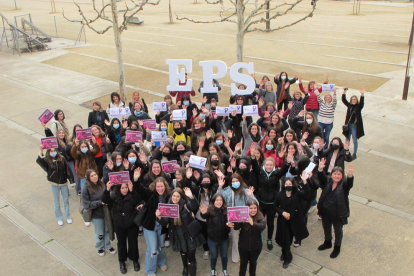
(283,89)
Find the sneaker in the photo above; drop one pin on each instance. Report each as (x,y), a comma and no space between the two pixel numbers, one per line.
(140,231)
(167,243)
(101,252)
(213,273)
(269,244)
(72,184)
(319,217)
(60,222)
(206,255)
(111,250)
(79,194)
(87,224)
(311,209)
(225,273)
(69,220)
(296,243)
(164,268)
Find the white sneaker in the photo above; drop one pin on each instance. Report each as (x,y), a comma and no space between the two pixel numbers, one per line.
(60,222)
(213,273)
(69,221)
(206,255)
(87,224)
(111,250)
(225,273)
(319,217)
(167,243)
(311,209)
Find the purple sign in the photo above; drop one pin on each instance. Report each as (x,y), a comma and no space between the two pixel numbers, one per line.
(238,108)
(84,134)
(119,177)
(238,214)
(49,142)
(133,136)
(149,124)
(168,210)
(197,162)
(180,114)
(168,166)
(222,111)
(46,116)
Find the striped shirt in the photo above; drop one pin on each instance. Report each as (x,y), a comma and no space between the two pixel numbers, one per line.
(326,111)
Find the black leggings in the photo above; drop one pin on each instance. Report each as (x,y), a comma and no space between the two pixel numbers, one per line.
(269,211)
(248,256)
(190,255)
(204,233)
(327,229)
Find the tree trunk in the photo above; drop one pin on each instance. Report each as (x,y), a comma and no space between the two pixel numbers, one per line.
(118,45)
(170,12)
(240,30)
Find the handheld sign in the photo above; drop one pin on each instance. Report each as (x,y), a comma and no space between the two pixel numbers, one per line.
(197,162)
(46,116)
(328,87)
(149,124)
(159,106)
(222,111)
(168,166)
(49,142)
(133,136)
(158,135)
(168,210)
(235,107)
(238,214)
(119,112)
(250,110)
(84,134)
(118,178)
(180,114)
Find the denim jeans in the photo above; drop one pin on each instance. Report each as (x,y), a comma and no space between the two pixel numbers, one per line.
(101,234)
(75,176)
(326,130)
(82,183)
(63,189)
(353,133)
(155,254)
(214,248)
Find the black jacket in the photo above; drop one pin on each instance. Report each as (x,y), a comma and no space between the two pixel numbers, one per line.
(210,96)
(92,120)
(355,110)
(340,158)
(123,208)
(58,172)
(230,122)
(312,135)
(217,230)
(144,108)
(250,239)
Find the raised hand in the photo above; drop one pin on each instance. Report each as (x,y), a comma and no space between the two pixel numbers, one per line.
(233,162)
(204,99)
(229,133)
(290,105)
(346,145)
(305,135)
(109,185)
(107,122)
(322,164)
(250,221)
(350,170)
(125,163)
(44,125)
(280,140)
(234,113)
(201,143)
(140,122)
(300,79)
(110,164)
(142,157)
(189,172)
(162,144)
(137,173)
(227,142)
(238,147)
(203,209)
(244,117)
(250,191)
(130,186)
(93,139)
(253,148)
(76,142)
(281,153)
(221,181)
(327,79)
(219,173)
(362,91)
(287,85)
(301,113)
(195,112)
(261,102)
(304,176)
(124,124)
(229,169)
(267,114)
(188,192)
(41,149)
(297,75)
(108,140)
(208,134)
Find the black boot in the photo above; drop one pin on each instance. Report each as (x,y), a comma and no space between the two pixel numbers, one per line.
(137,267)
(192,269)
(325,245)
(185,264)
(336,251)
(122,267)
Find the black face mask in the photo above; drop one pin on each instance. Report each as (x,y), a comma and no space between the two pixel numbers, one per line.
(166,154)
(180,152)
(243,171)
(178,130)
(335,146)
(214,162)
(205,185)
(186,162)
(289,188)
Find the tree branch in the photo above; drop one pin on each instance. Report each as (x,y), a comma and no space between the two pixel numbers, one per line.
(136,8)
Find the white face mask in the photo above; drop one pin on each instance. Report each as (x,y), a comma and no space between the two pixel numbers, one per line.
(315,145)
(309,121)
(297,82)
(283,77)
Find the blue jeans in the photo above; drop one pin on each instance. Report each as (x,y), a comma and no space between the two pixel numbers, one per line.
(155,254)
(82,184)
(214,248)
(101,234)
(63,189)
(326,130)
(75,176)
(353,133)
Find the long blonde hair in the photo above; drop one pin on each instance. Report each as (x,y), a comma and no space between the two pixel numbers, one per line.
(62,142)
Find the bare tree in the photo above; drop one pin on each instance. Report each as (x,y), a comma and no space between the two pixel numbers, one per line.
(127,14)
(170,12)
(248,23)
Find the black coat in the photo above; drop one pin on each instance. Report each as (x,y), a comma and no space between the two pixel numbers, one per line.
(92,120)
(279,82)
(217,230)
(312,135)
(355,110)
(250,239)
(297,222)
(58,172)
(341,157)
(230,122)
(123,208)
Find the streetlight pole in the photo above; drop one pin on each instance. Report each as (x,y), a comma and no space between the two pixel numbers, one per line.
(407,70)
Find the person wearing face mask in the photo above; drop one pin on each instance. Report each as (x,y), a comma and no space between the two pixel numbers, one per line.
(336,154)
(134,160)
(178,130)
(215,167)
(312,90)
(243,168)
(198,130)
(240,100)
(283,86)
(163,153)
(354,119)
(98,116)
(115,103)
(123,204)
(179,153)
(326,114)
(210,96)
(223,144)
(191,108)
(113,129)
(224,124)
(105,146)
(251,135)
(310,127)
(290,221)
(113,165)
(333,205)
(237,194)
(138,114)
(58,174)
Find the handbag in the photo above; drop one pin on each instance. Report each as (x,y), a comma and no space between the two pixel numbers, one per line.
(86,213)
(140,215)
(345,128)
(194,228)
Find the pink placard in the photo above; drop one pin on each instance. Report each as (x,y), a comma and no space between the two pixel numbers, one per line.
(133,136)
(119,177)
(168,166)
(49,142)
(238,214)
(84,134)
(46,116)
(149,124)
(168,210)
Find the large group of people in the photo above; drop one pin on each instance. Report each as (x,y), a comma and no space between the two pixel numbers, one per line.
(274,165)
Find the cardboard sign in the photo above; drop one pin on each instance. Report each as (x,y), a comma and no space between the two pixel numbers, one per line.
(197,162)
(180,114)
(84,134)
(238,108)
(158,135)
(168,210)
(49,142)
(159,106)
(222,111)
(46,116)
(119,112)
(238,214)
(250,110)
(149,124)
(118,178)
(133,136)
(328,87)
(168,166)
(213,112)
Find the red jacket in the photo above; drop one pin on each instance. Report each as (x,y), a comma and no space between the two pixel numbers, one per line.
(182,93)
(312,103)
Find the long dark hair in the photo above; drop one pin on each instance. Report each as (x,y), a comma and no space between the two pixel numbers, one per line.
(151,176)
(113,158)
(115,94)
(59,110)
(243,186)
(94,187)
(73,137)
(182,172)
(258,217)
(58,158)
(212,208)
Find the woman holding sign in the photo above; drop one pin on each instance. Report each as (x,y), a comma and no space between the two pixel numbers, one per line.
(58,122)
(58,174)
(138,113)
(115,103)
(184,231)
